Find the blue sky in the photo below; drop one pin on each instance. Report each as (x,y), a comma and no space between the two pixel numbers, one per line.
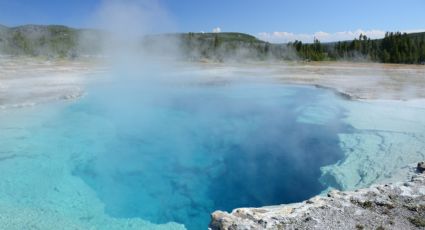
(268,19)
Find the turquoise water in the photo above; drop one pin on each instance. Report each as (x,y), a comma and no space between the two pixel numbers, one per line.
(177,153)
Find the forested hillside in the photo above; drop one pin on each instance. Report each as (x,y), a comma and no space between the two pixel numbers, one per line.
(394,48)
(64,42)
(50,41)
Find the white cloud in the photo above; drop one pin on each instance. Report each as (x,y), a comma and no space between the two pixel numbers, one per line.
(216,30)
(284,37)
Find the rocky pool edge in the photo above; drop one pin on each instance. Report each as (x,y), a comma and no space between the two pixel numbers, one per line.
(399,205)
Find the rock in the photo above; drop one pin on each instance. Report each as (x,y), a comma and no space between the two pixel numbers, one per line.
(421,167)
(390,206)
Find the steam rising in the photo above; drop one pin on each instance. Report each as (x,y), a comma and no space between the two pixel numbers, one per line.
(142,88)
(126,24)
(130,19)
(154,144)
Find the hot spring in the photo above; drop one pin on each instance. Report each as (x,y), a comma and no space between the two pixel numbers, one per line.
(173,153)
(195,149)
(199,149)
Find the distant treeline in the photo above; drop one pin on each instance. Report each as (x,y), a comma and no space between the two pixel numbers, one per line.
(64,42)
(49,41)
(230,47)
(393,48)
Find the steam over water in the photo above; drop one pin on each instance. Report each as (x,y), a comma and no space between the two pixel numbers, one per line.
(159,152)
(149,147)
(196,149)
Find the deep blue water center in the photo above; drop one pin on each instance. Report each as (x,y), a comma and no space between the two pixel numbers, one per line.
(179,153)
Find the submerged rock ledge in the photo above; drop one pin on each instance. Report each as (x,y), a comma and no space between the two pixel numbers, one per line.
(389,206)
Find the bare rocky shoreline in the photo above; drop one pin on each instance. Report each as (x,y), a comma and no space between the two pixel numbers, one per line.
(25,81)
(367,81)
(387,206)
